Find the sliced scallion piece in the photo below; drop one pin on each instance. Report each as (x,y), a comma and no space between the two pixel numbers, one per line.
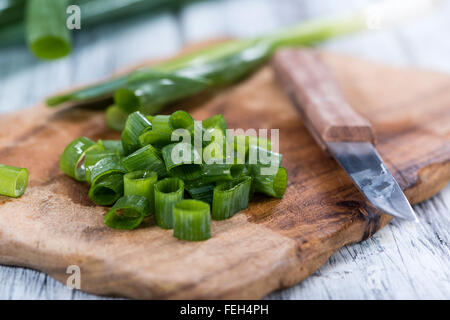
(168,193)
(217,121)
(191,220)
(200,190)
(72,159)
(127,213)
(141,183)
(92,157)
(107,190)
(116,118)
(231,197)
(47,34)
(13,181)
(112,164)
(146,158)
(135,126)
(113,145)
(273,185)
(222,172)
(182,161)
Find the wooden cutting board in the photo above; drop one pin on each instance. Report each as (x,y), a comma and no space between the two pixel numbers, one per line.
(273,244)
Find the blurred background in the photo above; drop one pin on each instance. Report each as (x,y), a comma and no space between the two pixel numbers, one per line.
(102,50)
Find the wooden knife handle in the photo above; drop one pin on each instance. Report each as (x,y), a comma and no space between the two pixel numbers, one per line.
(313,89)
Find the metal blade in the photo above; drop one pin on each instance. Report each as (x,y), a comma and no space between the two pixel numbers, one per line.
(366,168)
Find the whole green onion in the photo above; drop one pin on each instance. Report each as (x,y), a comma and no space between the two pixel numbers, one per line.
(46,30)
(13,181)
(146,158)
(141,183)
(191,220)
(168,193)
(107,190)
(273,185)
(72,159)
(127,213)
(135,126)
(231,197)
(182,161)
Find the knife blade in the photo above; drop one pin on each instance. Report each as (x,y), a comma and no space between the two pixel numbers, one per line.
(338,129)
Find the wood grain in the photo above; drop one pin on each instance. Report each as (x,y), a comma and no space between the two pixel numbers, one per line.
(271,245)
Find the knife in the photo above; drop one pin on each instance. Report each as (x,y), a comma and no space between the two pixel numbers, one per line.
(338,129)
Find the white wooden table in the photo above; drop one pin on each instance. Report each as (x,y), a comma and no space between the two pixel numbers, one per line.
(402,261)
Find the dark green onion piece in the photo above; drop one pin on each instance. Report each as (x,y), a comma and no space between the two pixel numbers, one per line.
(107,190)
(168,193)
(230,198)
(200,190)
(13,181)
(182,161)
(116,118)
(141,183)
(46,30)
(191,220)
(135,126)
(272,185)
(127,213)
(146,158)
(72,159)
(112,164)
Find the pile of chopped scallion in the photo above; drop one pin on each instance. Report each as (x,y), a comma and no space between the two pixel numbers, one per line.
(160,167)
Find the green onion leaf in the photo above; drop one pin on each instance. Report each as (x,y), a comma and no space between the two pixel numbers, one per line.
(146,158)
(46,30)
(230,198)
(13,181)
(273,185)
(72,159)
(168,193)
(182,161)
(191,220)
(141,183)
(107,189)
(135,126)
(127,213)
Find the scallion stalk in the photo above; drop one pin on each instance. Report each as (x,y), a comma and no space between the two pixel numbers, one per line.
(168,193)
(231,197)
(107,190)
(146,158)
(13,181)
(135,126)
(127,213)
(141,183)
(47,34)
(191,220)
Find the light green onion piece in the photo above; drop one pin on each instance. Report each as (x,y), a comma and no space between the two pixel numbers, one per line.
(168,193)
(191,220)
(222,172)
(273,185)
(146,158)
(116,118)
(141,183)
(230,198)
(127,213)
(217,121)
(105,166)
(135,126)
(107,190)
(72,159)
(13,181)
(245,143)
(182,160)
(47,34)
(113,145)
(92,157)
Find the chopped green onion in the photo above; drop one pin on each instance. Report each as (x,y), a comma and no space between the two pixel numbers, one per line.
(168,193)
(182,161)
(262,161)
(231,197)
(217,121)
(141,183)
(273,185)
(92,157)
(72,159)
(200,190)
(113,145)
(116,118)
(181,120)
(107,190)
(222,172)
(127,213)
(46,30)
(13,181)
(105,166)
(191,220)
(242,143)
(146,158)
(135,126)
